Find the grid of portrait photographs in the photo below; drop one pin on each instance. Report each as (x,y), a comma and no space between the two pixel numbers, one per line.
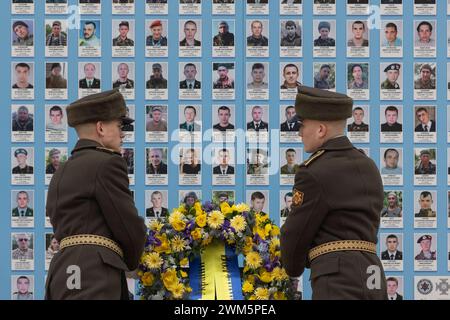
(212,87)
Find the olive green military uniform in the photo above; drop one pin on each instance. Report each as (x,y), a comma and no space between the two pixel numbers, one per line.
(338,195)
(89,194)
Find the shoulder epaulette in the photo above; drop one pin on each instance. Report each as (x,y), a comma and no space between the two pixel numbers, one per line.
(110,151)
(313,157)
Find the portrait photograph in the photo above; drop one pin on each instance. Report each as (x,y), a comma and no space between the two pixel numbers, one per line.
(123,41)
(156,204)
(156,123)
(324,38)
(257,81)
(291,41)
(56,80)
(391,124)
(123,78)
(22,80)
(156,84)
(391,35)
(391,166)
(22,123)
(156,38)
(56,38)
(392,212)
(223,41)
(22,38)
(89,39)
(156,166)
(22,251)
(55,123)
(425,164)
(89,78)
(22,287)
(22,209)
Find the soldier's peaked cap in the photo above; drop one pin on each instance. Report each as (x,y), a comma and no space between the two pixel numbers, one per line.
(424,237)
(317,104)
(104,106)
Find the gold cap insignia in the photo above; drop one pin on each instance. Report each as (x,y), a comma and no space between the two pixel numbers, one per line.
(298,198)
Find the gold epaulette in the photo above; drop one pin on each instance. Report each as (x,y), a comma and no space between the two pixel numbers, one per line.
(110,151)
(313,157)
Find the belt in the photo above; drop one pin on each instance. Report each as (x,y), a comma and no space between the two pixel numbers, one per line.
(90,239)
(344,245)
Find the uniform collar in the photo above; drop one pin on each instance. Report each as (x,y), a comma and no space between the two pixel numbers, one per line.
(338,143)
(85,144)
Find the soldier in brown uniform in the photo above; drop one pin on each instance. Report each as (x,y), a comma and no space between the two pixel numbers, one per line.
(91,208)
(337,199)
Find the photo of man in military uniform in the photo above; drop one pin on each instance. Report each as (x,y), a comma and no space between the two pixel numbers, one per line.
(324,40)
(425,80)
(337,199)
(358,124)
(392,73)
(122,39)
(425,248)
(22,167)
(24,249)
(224,38)
(23,209)
(425,166)
(156,80)
(91,208)
(23,289)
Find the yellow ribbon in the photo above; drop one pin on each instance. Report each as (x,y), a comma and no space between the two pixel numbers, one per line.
(215,279)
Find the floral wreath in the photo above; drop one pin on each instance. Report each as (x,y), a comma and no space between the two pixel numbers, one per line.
(173,241)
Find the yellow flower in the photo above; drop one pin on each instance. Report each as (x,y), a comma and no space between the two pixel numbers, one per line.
(248,245)
(274,245)
(262,294)
(216,219)
(279,274)
(238,223)
(201,220)
(188,289)
(198,208)
(181,209)
(153,260)
(165,245)
(267,229)
(252,298)
(247,287)
(156,225)
(178,291)
(184,262)
(196,233)
(253,260)
(183,274)
(260,231)
(251,279)
(170,279)
(178,244)
(261,218)
(266,277)
(225,208)
(242,207)
(148,279)
(275,231)
(176,219)
(279,295)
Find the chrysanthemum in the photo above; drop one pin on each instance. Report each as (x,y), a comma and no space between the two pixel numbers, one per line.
(153,260)
(216,219)
(262,294)
(253,260)
(279,274)
(178,291)
(147,279)
(242,207)
(178,244)
(247,287)
(238,223)
(176,219)
(156,225)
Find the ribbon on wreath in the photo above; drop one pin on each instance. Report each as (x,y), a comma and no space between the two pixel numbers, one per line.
(215,274)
